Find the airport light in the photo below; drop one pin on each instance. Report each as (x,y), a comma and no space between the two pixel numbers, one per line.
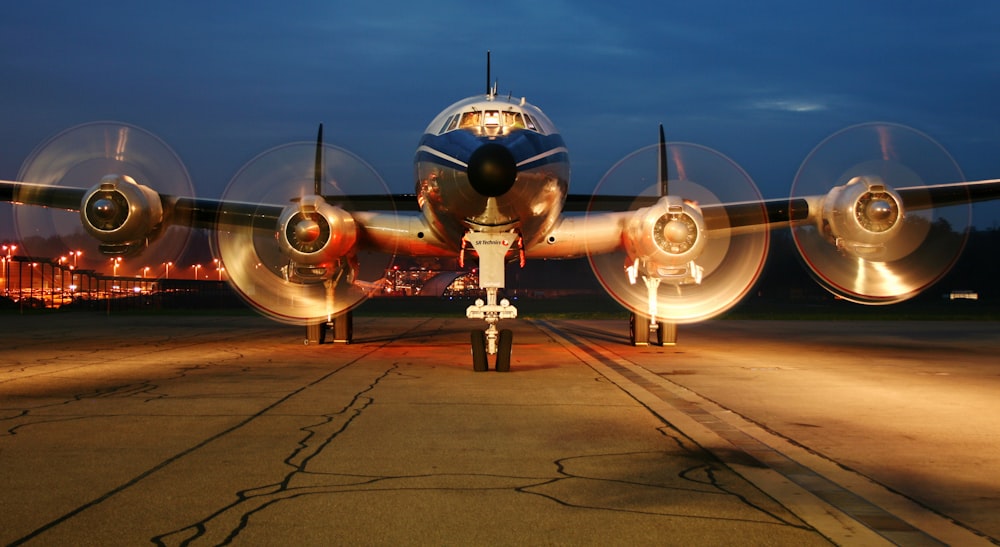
(116,261)
(196,266)
(167,265)
(76,257)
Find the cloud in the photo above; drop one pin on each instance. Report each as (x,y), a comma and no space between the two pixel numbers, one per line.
(790,105)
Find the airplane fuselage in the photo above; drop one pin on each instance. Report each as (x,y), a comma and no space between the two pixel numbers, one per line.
(491,164)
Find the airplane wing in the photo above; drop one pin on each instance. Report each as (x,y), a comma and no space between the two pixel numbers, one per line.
(863,240)
(59,197)
(203,212)
(782,211)
(608,214)
(636,244)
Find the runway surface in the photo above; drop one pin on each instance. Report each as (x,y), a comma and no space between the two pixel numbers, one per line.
(121,430)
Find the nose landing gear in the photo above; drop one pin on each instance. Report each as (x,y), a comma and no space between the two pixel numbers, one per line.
(491,248)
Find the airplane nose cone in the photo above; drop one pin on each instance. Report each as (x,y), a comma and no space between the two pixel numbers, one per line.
(492,170)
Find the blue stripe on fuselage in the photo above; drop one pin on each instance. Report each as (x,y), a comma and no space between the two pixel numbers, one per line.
(523,144)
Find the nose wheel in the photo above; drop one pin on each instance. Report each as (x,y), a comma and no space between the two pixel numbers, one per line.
(480,350)
(642,331)
(341,326)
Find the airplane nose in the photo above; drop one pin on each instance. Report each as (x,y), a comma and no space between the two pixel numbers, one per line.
(492,170)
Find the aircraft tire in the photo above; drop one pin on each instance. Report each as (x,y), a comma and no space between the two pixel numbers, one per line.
(315,332)
(343,327)
(638,330)
(666,334)
(504,345)
(479,362)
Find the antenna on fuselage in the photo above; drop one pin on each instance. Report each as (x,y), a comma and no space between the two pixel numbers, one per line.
(489,83)
(663,171)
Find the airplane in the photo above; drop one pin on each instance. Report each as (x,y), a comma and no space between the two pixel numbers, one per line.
(676,232)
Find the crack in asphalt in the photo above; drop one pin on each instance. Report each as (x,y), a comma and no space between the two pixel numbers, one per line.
(178,456)
(225,524)
(261,497)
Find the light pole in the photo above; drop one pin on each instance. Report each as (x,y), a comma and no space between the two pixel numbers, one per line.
(168,265)
(8,249)
(62,281)
(196,266)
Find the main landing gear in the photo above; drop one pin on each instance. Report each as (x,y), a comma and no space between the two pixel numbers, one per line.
(340,326)
(642,331)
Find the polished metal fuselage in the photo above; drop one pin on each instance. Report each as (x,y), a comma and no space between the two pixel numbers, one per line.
(451,206)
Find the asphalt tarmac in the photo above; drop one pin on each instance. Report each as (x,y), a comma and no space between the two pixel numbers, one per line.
(191,430)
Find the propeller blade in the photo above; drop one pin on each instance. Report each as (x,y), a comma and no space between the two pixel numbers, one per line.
(663,171)
(928,241)
(80,157)
(318,165)
(264,275)
(729,262)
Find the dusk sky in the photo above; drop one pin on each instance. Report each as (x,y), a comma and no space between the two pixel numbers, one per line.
(761,82)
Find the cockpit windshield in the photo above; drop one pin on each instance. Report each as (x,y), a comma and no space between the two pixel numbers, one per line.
(490,122)
(491,117)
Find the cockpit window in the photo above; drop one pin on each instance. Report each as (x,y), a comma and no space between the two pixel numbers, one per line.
(513,119)
(448,124)
(532,124)
(490,122)
(469,119)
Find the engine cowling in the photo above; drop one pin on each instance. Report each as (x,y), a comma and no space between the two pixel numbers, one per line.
(315,234)
(121,214)
(863,218)
(666,239)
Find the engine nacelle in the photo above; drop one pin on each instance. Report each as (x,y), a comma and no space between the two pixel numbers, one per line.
(121,214)
(862,217)
(315,234)
(666,239)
